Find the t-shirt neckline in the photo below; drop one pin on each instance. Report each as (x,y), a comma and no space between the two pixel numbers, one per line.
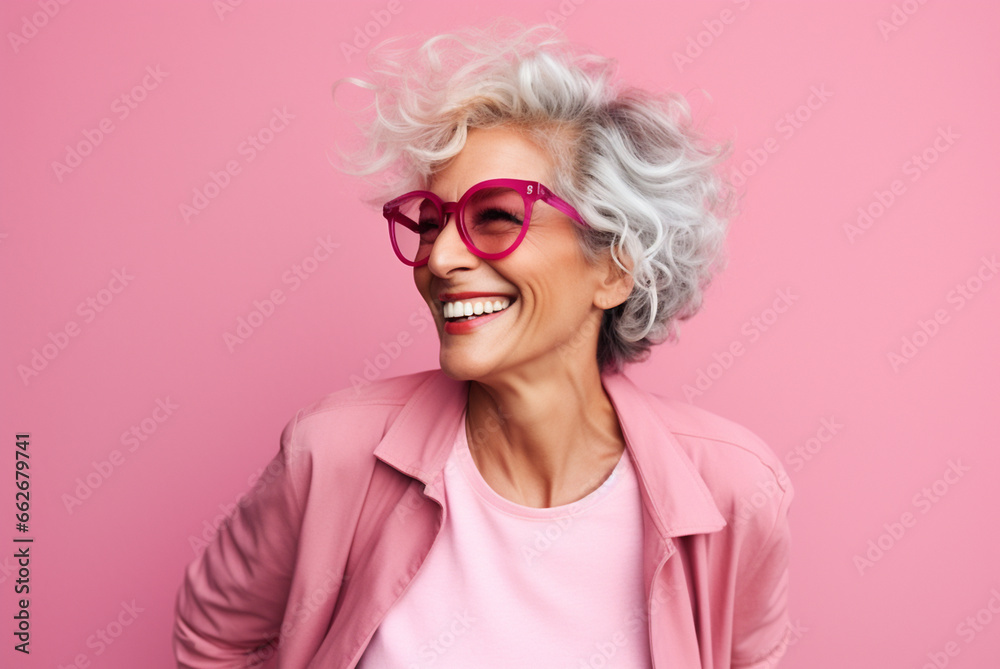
(490,496)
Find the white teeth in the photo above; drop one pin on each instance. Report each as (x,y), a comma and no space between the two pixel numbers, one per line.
(466,309)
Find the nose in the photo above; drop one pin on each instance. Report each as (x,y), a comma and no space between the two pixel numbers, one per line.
(449,252)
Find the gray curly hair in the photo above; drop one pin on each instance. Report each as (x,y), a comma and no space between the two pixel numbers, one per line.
(629,161)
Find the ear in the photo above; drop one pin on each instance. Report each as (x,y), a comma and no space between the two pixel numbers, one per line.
(615,283)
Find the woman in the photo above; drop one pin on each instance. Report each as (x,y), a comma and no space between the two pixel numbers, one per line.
(526,505)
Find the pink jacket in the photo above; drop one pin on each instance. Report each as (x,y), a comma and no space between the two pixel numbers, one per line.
(341,520)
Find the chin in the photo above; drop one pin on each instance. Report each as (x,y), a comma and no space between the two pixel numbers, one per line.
(459,370)
(464,367)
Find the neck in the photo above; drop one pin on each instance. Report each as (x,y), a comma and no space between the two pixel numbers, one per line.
(546,440)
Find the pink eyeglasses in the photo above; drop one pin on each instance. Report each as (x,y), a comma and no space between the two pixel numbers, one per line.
(492,218)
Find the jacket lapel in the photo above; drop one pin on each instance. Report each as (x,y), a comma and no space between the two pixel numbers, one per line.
(676,502)
(399,521)
(677,497)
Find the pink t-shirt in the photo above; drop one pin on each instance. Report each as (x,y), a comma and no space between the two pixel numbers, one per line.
(507,585)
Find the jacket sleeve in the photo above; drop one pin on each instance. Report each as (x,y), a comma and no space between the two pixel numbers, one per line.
(233,596)
(761,627)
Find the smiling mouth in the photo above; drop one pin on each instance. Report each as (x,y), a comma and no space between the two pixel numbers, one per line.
(467,310)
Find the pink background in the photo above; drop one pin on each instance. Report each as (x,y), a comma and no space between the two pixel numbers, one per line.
(928,88)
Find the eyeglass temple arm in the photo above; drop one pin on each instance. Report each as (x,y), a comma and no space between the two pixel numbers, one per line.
(562,205)
(393,215)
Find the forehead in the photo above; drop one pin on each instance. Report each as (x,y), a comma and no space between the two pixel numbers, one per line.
(492,153)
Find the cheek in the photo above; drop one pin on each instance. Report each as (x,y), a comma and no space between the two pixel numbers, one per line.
(558,300)
(551,272)
(565,280)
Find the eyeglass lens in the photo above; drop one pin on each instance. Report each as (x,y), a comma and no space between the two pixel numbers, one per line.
(493,218)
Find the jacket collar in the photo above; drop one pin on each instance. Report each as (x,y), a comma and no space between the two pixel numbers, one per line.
(676,497)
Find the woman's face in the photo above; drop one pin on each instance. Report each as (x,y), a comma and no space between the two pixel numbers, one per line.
(555,298)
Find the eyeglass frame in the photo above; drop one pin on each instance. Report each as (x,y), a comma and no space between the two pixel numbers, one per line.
(530,192)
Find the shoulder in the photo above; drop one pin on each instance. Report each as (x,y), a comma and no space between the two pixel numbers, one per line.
(352,420)
(388,393)
(744,476)
(716,441)
(753,493)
